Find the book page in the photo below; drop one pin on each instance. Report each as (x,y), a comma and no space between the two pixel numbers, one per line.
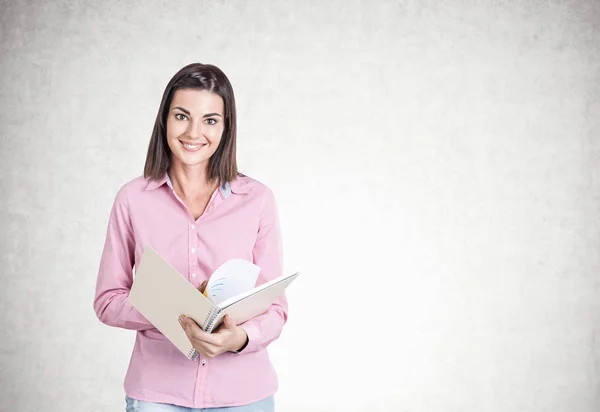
(253,302)
(230,279)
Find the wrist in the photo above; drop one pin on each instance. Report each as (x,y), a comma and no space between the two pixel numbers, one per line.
(242,342)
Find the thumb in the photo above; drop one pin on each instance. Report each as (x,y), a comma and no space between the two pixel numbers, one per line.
(228,322)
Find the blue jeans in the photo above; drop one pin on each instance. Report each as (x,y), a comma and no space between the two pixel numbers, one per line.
(133,405)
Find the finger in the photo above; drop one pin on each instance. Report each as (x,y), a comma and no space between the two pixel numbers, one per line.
(189,325)
(184,324)
(195,332)
(206,349)
(228,323)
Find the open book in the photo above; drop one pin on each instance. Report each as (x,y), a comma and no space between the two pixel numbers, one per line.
(161,294)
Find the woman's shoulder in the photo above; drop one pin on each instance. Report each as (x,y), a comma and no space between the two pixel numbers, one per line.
(138,184)
(134,187)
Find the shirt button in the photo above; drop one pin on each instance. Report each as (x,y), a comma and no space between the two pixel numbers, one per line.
(193,226)
(193,275)
(193,250)
(203,361)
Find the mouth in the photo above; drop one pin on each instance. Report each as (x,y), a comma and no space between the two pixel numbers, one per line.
(192,147)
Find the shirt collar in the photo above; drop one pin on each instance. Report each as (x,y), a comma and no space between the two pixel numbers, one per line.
(241,185)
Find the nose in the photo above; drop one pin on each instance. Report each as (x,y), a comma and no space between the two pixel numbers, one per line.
(194,130)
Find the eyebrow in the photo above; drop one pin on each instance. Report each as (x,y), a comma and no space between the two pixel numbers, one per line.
(205,116)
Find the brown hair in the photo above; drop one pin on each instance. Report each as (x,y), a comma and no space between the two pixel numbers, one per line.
(222,164)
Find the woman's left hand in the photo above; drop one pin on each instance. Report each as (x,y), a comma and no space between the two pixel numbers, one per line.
(229,337)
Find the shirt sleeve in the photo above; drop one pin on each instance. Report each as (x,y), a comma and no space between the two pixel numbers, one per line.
(115,275)
(267,254)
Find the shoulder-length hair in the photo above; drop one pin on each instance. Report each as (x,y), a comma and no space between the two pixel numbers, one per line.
(222,165)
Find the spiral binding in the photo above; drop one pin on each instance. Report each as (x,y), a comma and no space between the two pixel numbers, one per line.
(193,354)
(210,320)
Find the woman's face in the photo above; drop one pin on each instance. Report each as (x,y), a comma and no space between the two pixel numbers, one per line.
(195,124)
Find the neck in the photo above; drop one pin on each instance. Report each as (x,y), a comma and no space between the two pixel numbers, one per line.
(191,182)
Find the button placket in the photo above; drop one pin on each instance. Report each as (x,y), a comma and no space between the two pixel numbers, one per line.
(213,202)
(192,255)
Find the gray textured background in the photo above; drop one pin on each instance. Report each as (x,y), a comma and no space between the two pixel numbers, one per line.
(436,166)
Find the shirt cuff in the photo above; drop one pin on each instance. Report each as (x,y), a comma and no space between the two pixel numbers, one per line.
(252,334)
(245,344)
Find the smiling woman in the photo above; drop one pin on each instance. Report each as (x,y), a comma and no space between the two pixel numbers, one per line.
(193,132)
(195,209)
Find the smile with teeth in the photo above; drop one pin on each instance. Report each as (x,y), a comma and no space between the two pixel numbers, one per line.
(192,147)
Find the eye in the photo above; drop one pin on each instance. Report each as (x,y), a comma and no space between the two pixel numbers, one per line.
(180,116)
(211,121)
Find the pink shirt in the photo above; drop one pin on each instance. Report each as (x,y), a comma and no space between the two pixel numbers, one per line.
(240,221)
